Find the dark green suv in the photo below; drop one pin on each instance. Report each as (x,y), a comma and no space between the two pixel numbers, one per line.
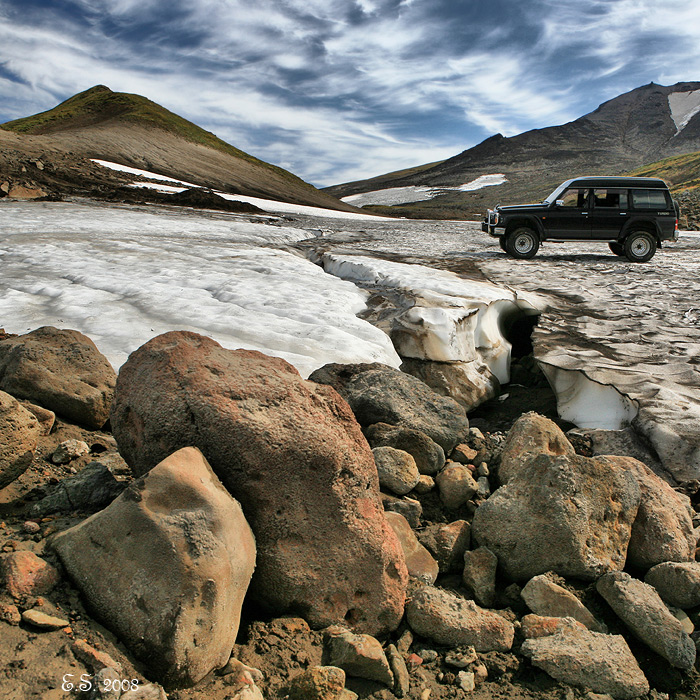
(633,214)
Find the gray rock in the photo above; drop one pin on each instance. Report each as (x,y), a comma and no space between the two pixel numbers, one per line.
(381,394)
(410,508)
(419,562)
(358,655)
(19,432)
(447,542)
(61,370)
(479,575)
(397,469)
(678,583)
(601,662)
(448,619)
(106,685)
(548,599)
(639,606)
(186,555)
(429,456)
(88,491)
(456,484)
(68,450)
(563,513)
(469,383)
(149,691)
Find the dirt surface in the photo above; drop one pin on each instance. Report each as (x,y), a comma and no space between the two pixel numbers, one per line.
(583,283)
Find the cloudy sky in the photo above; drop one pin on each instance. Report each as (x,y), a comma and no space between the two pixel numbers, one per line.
(336,90)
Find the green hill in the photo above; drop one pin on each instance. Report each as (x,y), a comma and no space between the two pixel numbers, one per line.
(99,104)
(133,130)
(680,172)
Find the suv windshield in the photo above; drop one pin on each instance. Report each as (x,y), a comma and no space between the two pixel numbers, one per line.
(555,195)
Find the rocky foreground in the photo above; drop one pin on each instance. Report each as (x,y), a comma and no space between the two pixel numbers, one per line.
(210,525)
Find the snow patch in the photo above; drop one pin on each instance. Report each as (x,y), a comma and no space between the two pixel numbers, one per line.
(268,205)
(122,275)
(442,317)
(684,106)
(586,403)
(407,195)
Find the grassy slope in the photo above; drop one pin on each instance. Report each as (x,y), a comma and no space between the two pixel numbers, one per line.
(680,172)
(99,104)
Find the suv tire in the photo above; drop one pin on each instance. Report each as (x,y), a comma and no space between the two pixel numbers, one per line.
(522,243)
(617,248)
(502,243)
(640,246)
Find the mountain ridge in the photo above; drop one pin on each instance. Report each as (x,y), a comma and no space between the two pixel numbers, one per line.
(621,134)
(132,130)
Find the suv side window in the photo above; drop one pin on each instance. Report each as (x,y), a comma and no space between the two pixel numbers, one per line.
(649,199)
(609,199)
(574,198)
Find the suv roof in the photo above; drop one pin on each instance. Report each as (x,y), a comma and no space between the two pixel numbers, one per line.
(647,182)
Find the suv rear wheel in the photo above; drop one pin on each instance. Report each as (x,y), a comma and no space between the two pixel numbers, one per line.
(640,246)
(617,248)
(522,243)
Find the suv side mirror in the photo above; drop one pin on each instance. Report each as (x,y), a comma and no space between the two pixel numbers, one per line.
(559,203)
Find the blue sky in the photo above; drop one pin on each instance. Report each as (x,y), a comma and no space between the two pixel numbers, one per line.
(336,90)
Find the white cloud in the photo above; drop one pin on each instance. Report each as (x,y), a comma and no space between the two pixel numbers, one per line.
(332,88)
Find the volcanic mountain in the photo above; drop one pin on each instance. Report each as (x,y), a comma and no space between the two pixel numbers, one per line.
(134,131)
(645,125)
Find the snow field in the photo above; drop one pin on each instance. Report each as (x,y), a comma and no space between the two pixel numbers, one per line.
(123,275)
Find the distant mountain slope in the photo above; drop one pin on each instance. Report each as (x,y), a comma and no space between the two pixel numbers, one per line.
(133,130)
(644,125)
(682,173)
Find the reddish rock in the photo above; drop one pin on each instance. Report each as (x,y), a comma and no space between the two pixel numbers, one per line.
(26,574)
(62,371)
(292,453)
(536,626)
(92,657)
(419,561)
(447,542)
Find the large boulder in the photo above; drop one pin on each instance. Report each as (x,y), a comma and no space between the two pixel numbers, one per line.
(563,513)
(381,394)
(19,432)
(292,453)
(61,370)
(166,566)
(663,529)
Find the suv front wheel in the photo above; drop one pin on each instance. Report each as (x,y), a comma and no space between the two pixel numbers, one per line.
(640,246)
(522,243)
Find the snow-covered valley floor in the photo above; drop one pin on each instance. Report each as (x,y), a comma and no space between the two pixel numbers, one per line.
(124,274)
